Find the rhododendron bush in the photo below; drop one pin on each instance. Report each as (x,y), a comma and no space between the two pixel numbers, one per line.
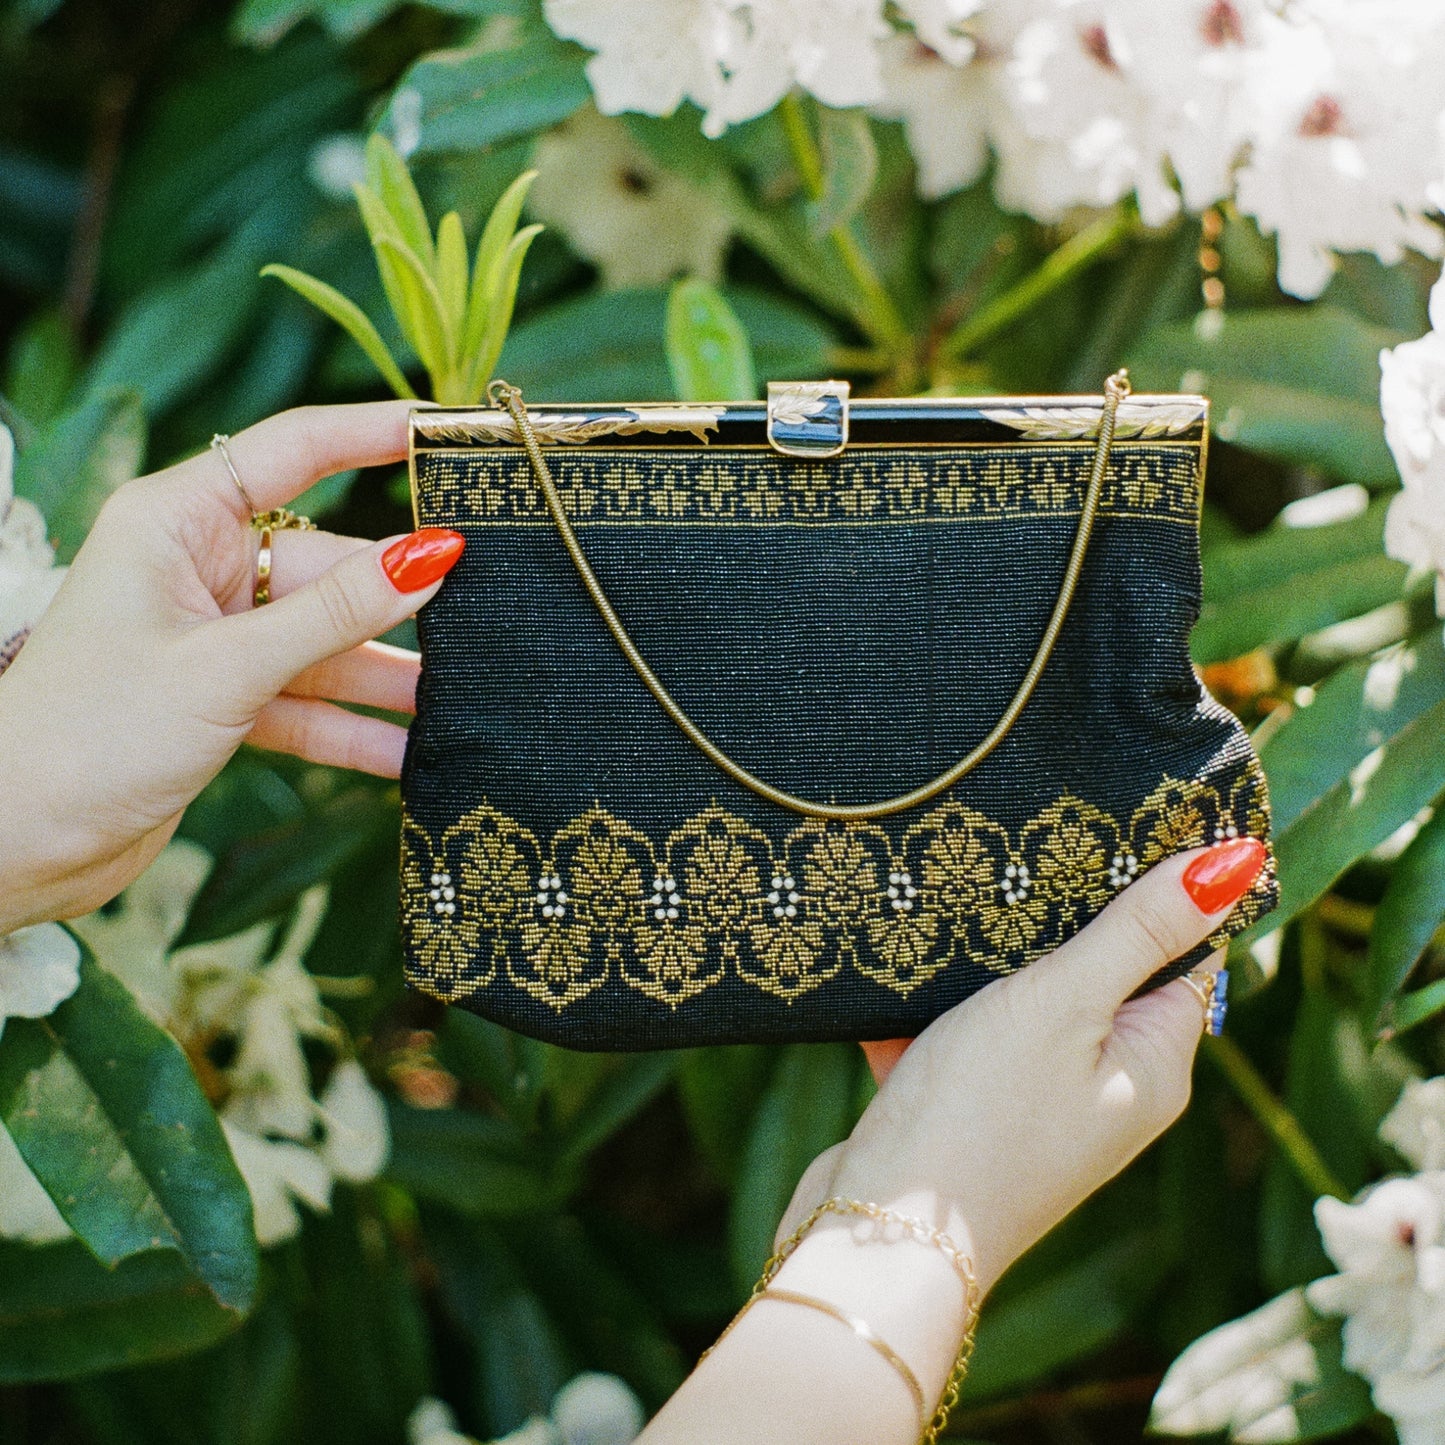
(252,1190)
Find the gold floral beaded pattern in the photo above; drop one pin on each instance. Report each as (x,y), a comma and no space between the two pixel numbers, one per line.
(599,484)
(487,905)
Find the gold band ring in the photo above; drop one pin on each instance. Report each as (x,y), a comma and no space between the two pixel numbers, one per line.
(267,524)
(1211,989)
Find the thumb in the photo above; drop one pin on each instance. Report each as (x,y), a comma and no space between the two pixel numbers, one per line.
(355,600)
(1177,904)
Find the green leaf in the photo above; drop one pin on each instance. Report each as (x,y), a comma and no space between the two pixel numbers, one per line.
(1417,1007)
(1381,794)
(405,292)
(72,466)
(1065,1317)
(1412,908)
(850,166)
(1358,707)
(104,1108)
(1274,1376)
(452,270)
(261,875)
(41,368)
(807,1108)
(605,344)
(472,1164)
(1301,384)
(720,1089)
(391,182)
(491,253)
(493,92)
(499,309)
(1305,604)
(426,324)
(707,348)
(63,1315)
(637,1080)
(351,317)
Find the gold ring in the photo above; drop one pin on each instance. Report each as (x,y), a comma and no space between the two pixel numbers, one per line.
(1211,989)
(278,519)
(218,444)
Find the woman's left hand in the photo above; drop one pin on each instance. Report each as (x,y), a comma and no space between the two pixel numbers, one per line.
(152,665)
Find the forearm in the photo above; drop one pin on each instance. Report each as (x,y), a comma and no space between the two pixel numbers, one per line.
(791,1374)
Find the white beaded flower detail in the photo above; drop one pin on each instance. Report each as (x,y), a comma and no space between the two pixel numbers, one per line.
(784,897)
(1225,830)
(665,898)
(443,895)
(1016,883)
(1123,870)
(901,892)
(551,896)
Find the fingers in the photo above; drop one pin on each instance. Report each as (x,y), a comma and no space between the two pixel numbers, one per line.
(361,596)
(374,675)
(277,459)
(320,732)
(1155,920)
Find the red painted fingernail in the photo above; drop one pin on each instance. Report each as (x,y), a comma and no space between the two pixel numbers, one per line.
(419,560)
(1221,875)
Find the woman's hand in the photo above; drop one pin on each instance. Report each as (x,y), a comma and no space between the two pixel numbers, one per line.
(152,666)
(1000,1118)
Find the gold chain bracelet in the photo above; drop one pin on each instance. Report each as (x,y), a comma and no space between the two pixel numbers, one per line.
(910,1228)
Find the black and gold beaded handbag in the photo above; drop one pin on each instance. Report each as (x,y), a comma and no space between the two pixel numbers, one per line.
(801,720)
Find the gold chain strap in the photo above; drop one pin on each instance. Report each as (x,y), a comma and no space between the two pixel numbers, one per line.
(501,394)
(915,1229)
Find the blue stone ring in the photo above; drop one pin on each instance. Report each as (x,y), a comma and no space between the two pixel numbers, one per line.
(1212,990)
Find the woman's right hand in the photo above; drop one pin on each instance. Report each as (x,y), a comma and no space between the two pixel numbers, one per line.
(998,1120)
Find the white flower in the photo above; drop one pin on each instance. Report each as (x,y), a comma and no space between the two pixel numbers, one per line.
(29,577)
(1416,1125)
(337,164)
(1412,397)
(640,224)
(942,26)
(734,58)
(39,969)
(596,1409)
(27,1212)
(1344,149)
(278,1172)
(357,1140)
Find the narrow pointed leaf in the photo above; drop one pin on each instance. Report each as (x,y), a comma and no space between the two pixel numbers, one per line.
(499,312)
(491,249)
(105,1110)
(707,348)
(347,314)
(452,270)
(388,177)
(404,292)
(429,329)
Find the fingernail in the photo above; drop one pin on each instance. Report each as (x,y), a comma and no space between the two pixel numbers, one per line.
(420,559)
(1221,875)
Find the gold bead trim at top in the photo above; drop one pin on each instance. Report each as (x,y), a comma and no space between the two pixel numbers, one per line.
(486,906)
(742,487)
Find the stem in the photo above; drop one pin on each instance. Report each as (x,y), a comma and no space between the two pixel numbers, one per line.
(1274,1117)
(875,312)
(1061,266)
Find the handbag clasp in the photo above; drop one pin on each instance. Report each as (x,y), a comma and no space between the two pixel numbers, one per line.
(808,418)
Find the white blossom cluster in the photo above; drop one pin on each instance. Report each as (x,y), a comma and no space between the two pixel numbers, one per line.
(1412,396)
(28,574)
(1322,119)
(1389,1246)
(241,1008)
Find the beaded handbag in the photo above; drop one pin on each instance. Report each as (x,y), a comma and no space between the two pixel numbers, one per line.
(801,720)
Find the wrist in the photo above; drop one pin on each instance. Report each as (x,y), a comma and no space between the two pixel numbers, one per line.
(908,1290)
